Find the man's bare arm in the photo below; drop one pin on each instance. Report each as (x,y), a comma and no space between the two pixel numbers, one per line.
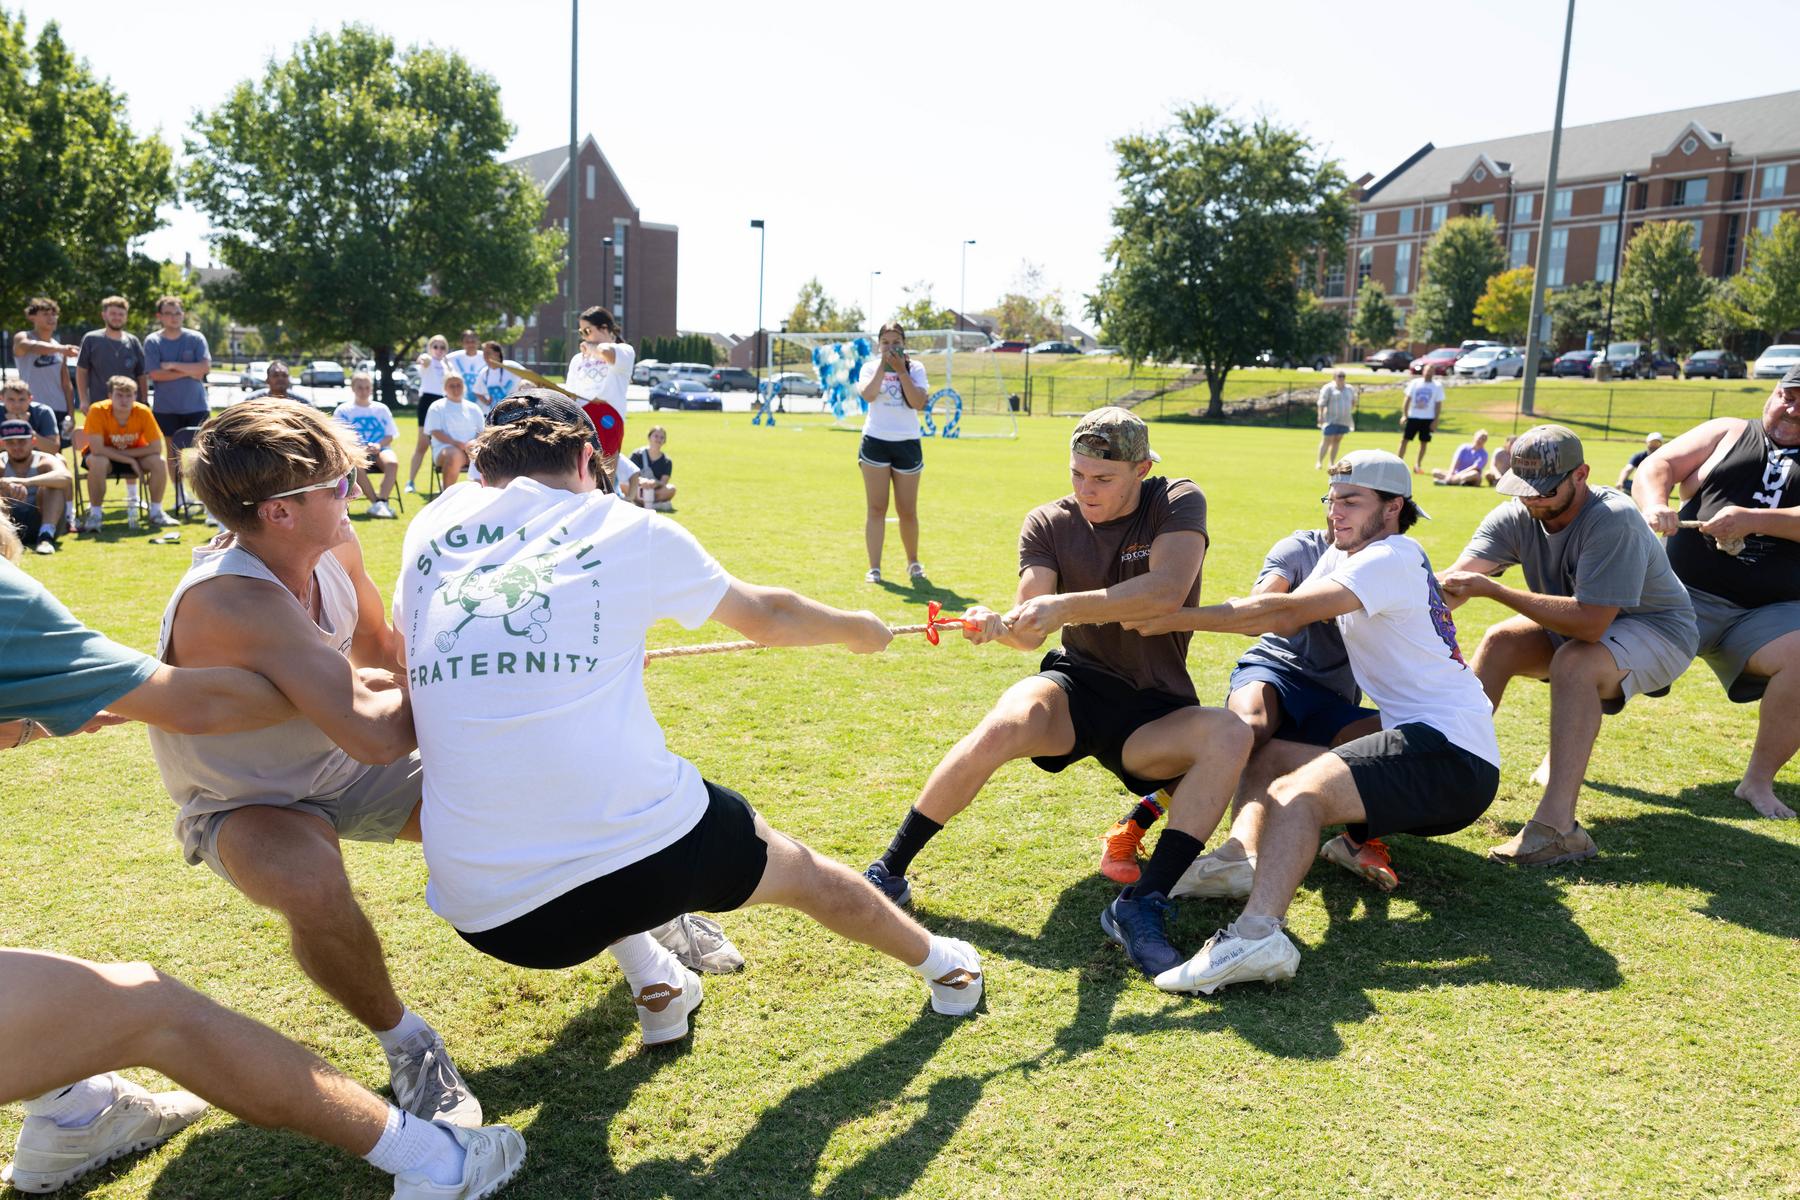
(1316,600)
(204,700)
(1678,462)
(1559,614)
(1175,564)
(375,642)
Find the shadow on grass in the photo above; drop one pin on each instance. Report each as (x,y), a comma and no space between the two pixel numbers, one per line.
(922,589)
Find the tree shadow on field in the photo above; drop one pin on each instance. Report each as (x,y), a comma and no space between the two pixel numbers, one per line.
(578,1092)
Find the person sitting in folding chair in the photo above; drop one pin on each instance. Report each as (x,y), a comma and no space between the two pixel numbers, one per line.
(374,424)
(124,442)
(36,485)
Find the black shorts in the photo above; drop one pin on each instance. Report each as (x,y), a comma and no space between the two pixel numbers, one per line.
(714,867)
(26,519)
(170,422)
(1105,711)
(904,458)
(426,400)
(1412,779)
(1417,427)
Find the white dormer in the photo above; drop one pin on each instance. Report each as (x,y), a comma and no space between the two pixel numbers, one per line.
(1485,168)
(1692,138)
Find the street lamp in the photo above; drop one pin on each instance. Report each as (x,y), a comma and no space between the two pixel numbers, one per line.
(871,316)
(606,275)
(1534,335)
(1626,179)
(762,346)
(962,294)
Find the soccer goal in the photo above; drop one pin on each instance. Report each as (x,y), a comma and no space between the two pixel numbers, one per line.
(969,393)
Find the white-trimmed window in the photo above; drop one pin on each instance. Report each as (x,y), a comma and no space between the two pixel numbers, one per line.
(1406,220)
(1368,225)
(1688,191)
(1334,280)
(1611,198)
(1402,268)
(1699,231)
(1522,206)
(1608,250)
(1439,213)
(1565,202)
(1774,182)
(1765,221)
(590,181)
(1559,253)
(1365,262)
(1521,248)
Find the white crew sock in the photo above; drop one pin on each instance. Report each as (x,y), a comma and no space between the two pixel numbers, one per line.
(940,960)
(1254,928)
(76,1105)
(412,1143)
(131,491)
(645,961)
(410,1026)
(155,509)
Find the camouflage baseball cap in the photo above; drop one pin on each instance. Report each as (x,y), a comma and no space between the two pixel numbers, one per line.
(1542,458)
(1114,434)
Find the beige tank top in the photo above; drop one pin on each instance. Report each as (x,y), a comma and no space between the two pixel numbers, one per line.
(294,760)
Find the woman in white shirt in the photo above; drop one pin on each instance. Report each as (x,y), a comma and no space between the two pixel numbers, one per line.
(497,379)
(891,453)
(431,390)
(601,368)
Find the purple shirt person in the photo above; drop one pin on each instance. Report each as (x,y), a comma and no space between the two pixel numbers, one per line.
(1466,466)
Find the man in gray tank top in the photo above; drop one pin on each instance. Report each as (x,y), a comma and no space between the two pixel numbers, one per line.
(283,592)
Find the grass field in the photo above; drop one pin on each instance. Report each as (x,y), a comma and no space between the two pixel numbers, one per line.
(1626,1027)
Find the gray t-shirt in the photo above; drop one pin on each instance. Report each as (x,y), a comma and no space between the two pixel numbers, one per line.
(176,395)
(1607,556)
(1316,651)
(104,357)
(42,373)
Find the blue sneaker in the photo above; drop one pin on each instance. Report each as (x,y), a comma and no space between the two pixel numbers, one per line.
(895,887)
(1137,925)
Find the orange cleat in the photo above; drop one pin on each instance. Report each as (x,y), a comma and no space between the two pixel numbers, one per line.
(1370,860)
(1119,852)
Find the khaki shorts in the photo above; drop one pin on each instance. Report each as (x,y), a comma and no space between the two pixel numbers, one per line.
(1730,637)
(1650,660)
(374,808)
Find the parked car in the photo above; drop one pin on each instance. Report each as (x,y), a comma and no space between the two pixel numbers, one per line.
(1775,362)
(684,394)
(256,375)
(1287,362)
(689,370)
(1479,362)
(406,379)
(1476,344)
(1636,360)
(1007,347)
(792,383)
(1104,352)
(731,379)
(1577,362)
(1444,359)
(1054,348)
(647,370)
(322,373)
(1388,360)
(1713,364)
(1511,363)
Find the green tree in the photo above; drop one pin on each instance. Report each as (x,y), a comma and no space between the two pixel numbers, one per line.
(1724,316)
(1663,291)
(1376,319)
(920,311)
(1575,312)
(1209,237)
(1768,291)
(1453,273)
(202,313)
(1318,329)
(77,187)
(815,311)
(359,196)
(1504,309)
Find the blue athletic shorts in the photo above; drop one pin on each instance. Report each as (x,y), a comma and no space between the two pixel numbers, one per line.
(1309,713)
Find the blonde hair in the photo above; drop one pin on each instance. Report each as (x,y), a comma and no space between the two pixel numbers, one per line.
(248,452)
(16,385)
(451,377)
(438,339)
(121,383)
(10,548)
(115,302)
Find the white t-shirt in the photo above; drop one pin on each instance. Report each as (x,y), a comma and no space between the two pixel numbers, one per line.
(625,473)
(1424,399)
(495,384)
(460,419)
(593,378)
(469,366)
(891,418)
(431,375)
(1402,644)
(524,611)
(373,421)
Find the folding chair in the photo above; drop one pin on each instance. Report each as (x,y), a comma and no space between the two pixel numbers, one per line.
(183,441)
(398,499)
(78,444)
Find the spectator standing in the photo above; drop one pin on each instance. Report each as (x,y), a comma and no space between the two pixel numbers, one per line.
(1424,401)
(453,424)
(37,486)
(1337,416)
(373,422)
(1467,464)
(176,360)
(891,451)
(601,369)
(107,353)
(123,440)
(1652,443)
(45,429)
(432,365)
(497,379)
(654,469)
(43,361)
(467,362)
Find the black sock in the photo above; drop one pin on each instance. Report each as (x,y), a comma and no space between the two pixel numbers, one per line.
(909,839)
(1175,852)
(1146,812)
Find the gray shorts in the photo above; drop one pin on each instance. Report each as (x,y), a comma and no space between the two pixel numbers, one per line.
(1730,637)
(1641,649)
(374,808)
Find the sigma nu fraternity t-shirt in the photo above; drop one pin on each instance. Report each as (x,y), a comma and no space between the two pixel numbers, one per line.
(1088,557)
(1402,644)
(524,610)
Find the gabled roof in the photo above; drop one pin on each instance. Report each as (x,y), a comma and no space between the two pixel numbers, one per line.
(547,166)
(1763,125)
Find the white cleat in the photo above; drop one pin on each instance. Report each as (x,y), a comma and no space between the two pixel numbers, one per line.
(663,1008)
(492,1155)
(957,992)
(49,1156)
(1211,876)
(1227,959)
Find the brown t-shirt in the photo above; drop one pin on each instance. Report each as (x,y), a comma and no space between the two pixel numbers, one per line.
(1088,557)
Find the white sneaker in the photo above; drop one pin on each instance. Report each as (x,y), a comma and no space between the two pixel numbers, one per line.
(91,522)
(700,943)
(379,509)
(131,518)
(664,506)
(162,520)
(492,1155)
(957,992)
(1212,876)
(49,1156)
(915,570)
(427,1084)
(1227,958)
(663,1008)
(46,544)
(874,575)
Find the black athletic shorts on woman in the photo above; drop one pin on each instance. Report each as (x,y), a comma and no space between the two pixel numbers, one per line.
(714,867)
(1413,779)
(1105,711)
(426,400)
(905,458)
(1417,427)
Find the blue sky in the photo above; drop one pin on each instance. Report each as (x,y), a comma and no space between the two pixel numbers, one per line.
(879,143)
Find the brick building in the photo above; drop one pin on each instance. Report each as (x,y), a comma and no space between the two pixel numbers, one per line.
(1726,169)
(634,277)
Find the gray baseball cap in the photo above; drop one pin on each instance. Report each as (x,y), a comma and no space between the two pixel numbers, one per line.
(1792,378)
(1114,434)
(1375,469)
(1541,459)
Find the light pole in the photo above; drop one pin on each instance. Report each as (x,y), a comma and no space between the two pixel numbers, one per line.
(572,305)
(762,346)
(606,275)
(871,316)
(1534,337)
(1655,303)
(1626,179)
(962,294)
